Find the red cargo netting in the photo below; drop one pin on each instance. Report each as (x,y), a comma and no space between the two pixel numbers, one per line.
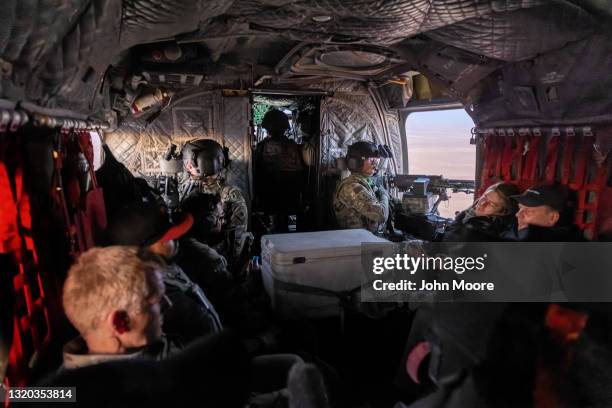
(31,324)
(526,157)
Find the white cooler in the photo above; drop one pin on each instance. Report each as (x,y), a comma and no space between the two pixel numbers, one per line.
(327,260)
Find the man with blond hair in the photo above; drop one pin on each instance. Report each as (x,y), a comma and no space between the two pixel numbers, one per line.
(113,298)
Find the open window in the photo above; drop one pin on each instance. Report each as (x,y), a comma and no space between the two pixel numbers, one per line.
(438,144)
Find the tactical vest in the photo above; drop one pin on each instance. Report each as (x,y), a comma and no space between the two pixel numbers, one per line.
(176,277)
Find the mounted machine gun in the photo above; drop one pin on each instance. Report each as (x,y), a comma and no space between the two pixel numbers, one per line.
(417,213)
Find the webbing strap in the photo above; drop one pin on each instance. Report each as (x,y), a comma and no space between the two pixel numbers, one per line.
(589,200)
(58,186)
(507,158)
(580,164)
(531,161)
(517,159)
(550,168)
(497,157)
(490,146)
(568,156)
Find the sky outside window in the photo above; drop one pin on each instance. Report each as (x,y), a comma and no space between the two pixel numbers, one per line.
(438,144)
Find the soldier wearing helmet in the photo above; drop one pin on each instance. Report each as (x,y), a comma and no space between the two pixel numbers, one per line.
(279,172)
(204,162)
(358,201)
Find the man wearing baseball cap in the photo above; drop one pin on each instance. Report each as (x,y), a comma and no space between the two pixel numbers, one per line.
(147,225)
(541,216)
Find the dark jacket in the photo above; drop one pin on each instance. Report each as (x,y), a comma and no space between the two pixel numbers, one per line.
(191,315)
(558,233)
(471,228)
(279,175)
(119,185)
(76,355)
(214,371)
(237,304)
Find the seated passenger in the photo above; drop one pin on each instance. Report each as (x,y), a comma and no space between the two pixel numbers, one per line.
(215,371)
(279,174)
(114,299)
(489,217)
(204,161)
(542,216)
(146,225)
(358,201)
(238,297)
(199,259)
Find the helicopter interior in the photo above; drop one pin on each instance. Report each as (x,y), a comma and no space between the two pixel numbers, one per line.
(138,76)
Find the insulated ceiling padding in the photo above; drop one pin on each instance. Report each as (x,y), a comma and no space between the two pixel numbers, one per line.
(567,86)
(59,50)
(148,20)
(31,29)
(519,34)
(380,22)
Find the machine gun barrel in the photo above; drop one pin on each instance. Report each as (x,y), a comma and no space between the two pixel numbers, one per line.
(467,186)
(406,182)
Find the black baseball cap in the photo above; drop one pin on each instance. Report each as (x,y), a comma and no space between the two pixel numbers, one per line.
(144,223)
(551,196)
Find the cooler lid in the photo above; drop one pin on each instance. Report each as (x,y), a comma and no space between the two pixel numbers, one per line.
(285,248)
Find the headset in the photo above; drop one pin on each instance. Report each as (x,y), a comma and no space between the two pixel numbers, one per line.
(358,152)
(206,156)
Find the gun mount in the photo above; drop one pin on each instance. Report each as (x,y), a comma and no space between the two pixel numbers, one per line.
(423,193)
(433,184)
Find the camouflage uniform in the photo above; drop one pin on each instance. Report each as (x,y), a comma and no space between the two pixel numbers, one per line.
(359,203)
(234,206)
